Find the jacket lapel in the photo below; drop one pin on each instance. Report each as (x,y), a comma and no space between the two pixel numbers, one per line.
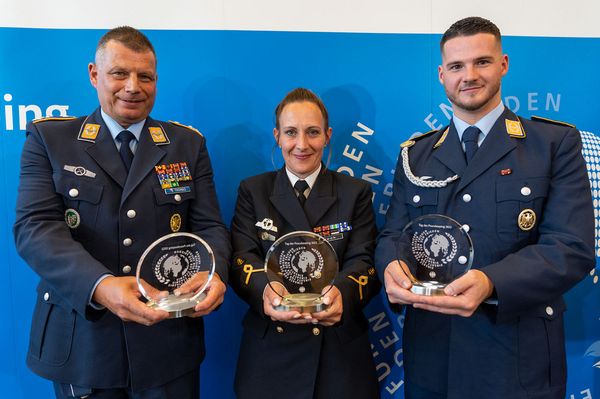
(321,197)
(147,155)
(450,152)
(285,201)
(104,151)
(496,145)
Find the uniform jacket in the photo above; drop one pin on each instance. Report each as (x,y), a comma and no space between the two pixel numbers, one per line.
(71,342)
(283,359)
(514,349)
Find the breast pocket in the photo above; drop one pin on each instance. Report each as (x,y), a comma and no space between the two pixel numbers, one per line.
(173,207)
(80,196)
(519,207)
(421,201)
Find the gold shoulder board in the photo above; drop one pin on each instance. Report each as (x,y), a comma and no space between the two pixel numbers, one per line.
(187,127)
(54,118)
(546,120)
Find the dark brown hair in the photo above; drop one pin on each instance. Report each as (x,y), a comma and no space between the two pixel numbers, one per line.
(468,27)
(298,95)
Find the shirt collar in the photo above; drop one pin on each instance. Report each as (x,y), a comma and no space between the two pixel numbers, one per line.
(310,179)
(114,127)
(485,124)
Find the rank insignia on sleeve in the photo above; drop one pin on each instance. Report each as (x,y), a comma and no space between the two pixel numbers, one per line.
(249,269)
(239,261)
(514,129)
(361,281)
(89,132)
(175,223)
(158,135)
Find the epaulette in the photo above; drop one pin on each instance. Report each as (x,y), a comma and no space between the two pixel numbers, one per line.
(546,120)
(54,118)
(190,127)
(410,142)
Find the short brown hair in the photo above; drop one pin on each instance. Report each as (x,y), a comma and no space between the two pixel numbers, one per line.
(130,37)
(298,95)
(468,27)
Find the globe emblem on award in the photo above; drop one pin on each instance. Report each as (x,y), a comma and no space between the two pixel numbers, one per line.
(433,251)
(301,267)
(176,261)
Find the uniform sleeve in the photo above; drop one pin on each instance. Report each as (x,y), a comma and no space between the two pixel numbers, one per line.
(357,280)
(564,252)
(205,215)
(42,237)
(247,278)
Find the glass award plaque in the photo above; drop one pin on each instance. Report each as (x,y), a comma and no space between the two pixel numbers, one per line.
(177,260)
(436,251)
(300,266)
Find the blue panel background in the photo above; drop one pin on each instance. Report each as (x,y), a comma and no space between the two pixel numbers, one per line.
(227,83)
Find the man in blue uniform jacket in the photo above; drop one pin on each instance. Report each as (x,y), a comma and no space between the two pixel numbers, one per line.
(90,202)
(520,189)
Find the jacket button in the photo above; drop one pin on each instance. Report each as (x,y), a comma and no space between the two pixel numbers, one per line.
(549,310)
(131,214)
(73,193)
(525,191)
(316,331)
(467,198)
(466,228)
(46,296)
(126,269)
(416,199)
(177,197)
(127,242)
(279,329)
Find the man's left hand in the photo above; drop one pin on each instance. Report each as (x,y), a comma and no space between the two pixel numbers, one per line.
(333,313)
(463,295)
(215,293)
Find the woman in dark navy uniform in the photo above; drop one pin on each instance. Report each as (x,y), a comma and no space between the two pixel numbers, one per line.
(289,354)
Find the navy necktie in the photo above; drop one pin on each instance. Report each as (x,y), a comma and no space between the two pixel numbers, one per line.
(470,138)
(301,186)
(125,138)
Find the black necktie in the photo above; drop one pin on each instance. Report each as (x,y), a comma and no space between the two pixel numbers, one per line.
(125,138)
(301,186)
(470,138)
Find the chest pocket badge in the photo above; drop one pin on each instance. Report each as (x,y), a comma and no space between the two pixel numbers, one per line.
(526,219)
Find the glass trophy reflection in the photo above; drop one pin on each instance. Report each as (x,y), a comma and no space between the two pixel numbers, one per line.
(180,261)
(301,267)
(434,250)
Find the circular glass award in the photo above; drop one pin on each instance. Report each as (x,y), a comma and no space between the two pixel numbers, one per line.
(301,267)
(177,261)
(436,250)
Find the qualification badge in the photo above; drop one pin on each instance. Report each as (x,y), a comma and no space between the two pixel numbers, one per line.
(175,223)
(72,218)
(526,219)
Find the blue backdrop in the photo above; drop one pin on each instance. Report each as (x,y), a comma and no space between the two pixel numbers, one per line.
(379,89)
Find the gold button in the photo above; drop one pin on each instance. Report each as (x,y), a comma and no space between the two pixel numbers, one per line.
(316,331)
(279,329)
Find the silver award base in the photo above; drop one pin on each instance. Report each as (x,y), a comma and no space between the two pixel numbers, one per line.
(303,303)
(428,288)
(177,306)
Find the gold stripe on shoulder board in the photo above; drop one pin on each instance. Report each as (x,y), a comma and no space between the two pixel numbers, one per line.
(411,141)
(54,118)
(190,127)
(554,122)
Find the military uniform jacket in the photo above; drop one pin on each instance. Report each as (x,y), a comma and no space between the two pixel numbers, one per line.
(514,349)
(120,215)
(286,360)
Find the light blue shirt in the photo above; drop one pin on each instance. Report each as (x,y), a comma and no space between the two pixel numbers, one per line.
(115,129)
(485,124)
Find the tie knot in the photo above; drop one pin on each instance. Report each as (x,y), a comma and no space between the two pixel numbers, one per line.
(125,137)
(301,186)
(471,134)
